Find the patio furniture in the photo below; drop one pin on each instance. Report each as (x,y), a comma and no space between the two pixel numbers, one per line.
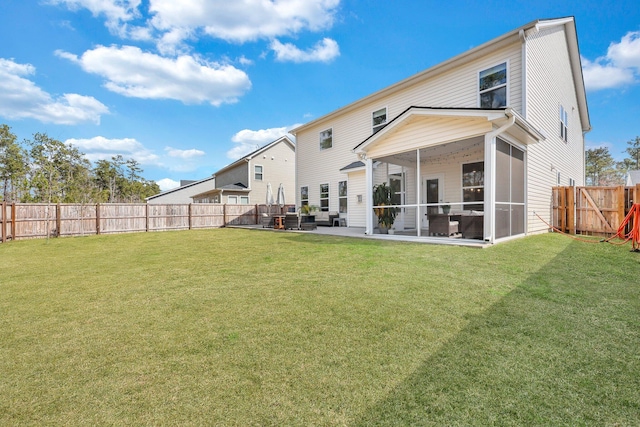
(339,222)
(291,221)
(326,218)
(267,221)
(472,225)
(308,222)
(443,224)
(278,222)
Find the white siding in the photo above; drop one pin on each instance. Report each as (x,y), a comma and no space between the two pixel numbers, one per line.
(457,88)
(278,167)
(549,85)
(356,210)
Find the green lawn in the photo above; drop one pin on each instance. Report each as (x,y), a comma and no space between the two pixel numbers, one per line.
(241,327)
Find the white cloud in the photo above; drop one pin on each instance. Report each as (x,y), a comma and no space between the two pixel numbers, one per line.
(131,72)
(250,140)
(184,154)
(167,184)
(20,98)
(171,22)
(620,67)
(244,20)
(101,148)
(324,51)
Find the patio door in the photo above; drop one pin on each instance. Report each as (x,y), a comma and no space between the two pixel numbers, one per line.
(433,192)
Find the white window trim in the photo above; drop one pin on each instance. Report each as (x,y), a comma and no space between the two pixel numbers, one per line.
(345,197)
(328,198)
(462,187)
(507,85)
(564,124)
(375,128)
(261,173)
(320,139)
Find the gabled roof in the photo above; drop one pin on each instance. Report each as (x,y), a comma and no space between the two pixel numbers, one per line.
(257,152)
(477,52)
(191,184)
(499,116)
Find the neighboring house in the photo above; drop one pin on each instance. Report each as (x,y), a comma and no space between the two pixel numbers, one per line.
(488,132)
(182,194)
(633,178)
(245,180)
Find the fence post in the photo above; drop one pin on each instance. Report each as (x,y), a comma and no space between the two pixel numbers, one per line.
(58,219)
(257,217)
(13,221)
(636,196)
(571,209)
(224,215)
(3,221)
(146,220)
(189,216)
(98,218)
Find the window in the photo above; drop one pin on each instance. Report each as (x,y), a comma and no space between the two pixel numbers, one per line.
(379,119)
(342,196)
(304,196)
(564,124)
(326,139)
(232,200)
(473,186)
(324,197)
(244,200)
(493,87)
(257,172)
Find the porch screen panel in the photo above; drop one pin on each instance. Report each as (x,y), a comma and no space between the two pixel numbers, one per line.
(509,214)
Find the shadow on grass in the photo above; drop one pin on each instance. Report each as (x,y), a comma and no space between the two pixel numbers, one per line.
(561,349)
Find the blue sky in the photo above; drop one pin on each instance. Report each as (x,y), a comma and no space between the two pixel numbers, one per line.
(186,87)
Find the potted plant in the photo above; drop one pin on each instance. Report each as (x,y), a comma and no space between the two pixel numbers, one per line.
(446,209)
(385,212)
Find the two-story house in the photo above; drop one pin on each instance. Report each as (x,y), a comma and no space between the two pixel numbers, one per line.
(481,138)
(245,180)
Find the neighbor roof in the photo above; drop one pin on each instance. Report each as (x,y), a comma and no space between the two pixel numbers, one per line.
(257,152)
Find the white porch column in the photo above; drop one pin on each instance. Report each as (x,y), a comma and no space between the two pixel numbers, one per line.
(489,186)
(369,194)
(418,201)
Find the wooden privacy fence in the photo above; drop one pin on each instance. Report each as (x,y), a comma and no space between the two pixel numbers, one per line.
(34,220)
(595,211)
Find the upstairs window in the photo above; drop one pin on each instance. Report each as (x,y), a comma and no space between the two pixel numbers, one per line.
(564,124)
(379,119)
(493,87)
(326,139)
(257,173)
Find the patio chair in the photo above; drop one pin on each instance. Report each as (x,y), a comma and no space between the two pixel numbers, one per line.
(267,221)
(291,221)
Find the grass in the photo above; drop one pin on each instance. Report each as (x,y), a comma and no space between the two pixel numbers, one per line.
(238,327)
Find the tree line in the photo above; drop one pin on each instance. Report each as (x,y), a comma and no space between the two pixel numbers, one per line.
(602,169)
(45,170)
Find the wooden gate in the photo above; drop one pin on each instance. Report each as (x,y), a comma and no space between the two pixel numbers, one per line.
(595,211)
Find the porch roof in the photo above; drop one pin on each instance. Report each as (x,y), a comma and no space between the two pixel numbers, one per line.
(522,130)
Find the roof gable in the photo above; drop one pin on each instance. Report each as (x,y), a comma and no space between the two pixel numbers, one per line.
(283,139)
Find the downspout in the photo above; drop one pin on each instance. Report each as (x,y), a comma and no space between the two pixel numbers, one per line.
(490,175)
